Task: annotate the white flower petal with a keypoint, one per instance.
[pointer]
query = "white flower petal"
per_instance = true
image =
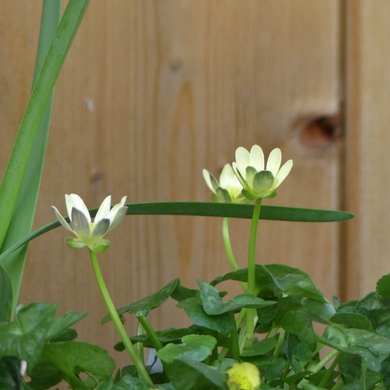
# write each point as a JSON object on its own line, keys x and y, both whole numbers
{"x": 104, "y": 209}
{"x": 61, "y": 219}
{"x": 239, "y": 176}
{"x": 228, "y": 177}
{"x": 116, "y": 208}
{"x": 206, "y": 177}
{"x": 210, "y": 180}
{"x": 123, "y": 200}
{"x": 274, "y": 161}
{"x": 100, "y": 229}
{"x": 256, "y": 158}
{"x": 81, "y": 226}
{"x": 117, "y": 213}
{"x": 242, "y": 159}
{"x": 75, "y": 201}
{"x": 283, "y": 173}
{"x": 69, "y": 204}
{"x": 117, "y": 218}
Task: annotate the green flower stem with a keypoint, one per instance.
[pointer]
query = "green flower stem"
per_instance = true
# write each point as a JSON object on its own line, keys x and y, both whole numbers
{"x": 325, "y": 360}
{"x": 251, "y": 313}
{"x": 322, "y": 363}
{"x": 157, "y": 345}
{"x": 229, "y": 250}
{"x": 339, "y": 384}
{"x": 143, "y": 374}
{"x": 330, "y": 370}
{"x": 139, "y": 346}
{"x": 272, "y": 332}
{"x": 280, "y": 342}
{"x": 234, "y": 338}
{"x": 238, "y": 323}
{"x": 227, "y": 244}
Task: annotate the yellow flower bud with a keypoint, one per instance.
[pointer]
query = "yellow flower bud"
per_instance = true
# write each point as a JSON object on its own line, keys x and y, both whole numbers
{"x": 243, "y": 376}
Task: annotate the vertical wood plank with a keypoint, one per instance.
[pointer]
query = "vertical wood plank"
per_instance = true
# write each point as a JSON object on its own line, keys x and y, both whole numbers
{"x": 368, "y": 83}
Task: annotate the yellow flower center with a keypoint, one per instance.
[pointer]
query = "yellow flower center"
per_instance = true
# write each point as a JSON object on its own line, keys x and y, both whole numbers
{"x": 239, "y": 382}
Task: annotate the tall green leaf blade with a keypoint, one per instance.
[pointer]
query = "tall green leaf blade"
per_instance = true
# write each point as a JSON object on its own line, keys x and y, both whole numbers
{"x": 22, "y": 177}
{"x": 23, "y": 216}
{"x": 18, "y": 161}
{"x": 5, "y": 296}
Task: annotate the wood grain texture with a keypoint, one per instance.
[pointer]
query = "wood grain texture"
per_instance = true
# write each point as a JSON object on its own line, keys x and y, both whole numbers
{"x": 368, "y": 143}
{"x": 151, "y": 93}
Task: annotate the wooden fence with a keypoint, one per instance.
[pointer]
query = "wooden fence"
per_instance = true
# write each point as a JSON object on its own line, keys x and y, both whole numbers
{"x": 155, "y": 90}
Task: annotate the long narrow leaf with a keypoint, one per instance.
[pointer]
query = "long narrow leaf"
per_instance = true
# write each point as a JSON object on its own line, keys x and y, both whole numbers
{"x": 207, "y": 209}
{"x": 5, "y": 296}
{"x": 18, "y": 161}
{"x": 239, "y": 211}
{"x": 23, "y": 216}
{"x": 21, "y": 183}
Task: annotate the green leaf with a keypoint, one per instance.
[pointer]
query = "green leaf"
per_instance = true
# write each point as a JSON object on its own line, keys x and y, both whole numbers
{"x": 198, "y": 316}
{"x": 170, "y": 335}
{"x": 383, "y": 286}
{"x": 237, "y": 211}
{"x": 375, "y": 308}
{"x": 72, "y": 358}
{"x": 271, "y": 366}
{"x": 25, "y": 337}
{"x": 371, "y": 347}
{"x": 261, "y": 347}
{"x": 26, "y": 199}
{"x": 45, "y": 375}
{"x": 279, "y": 280}
{"x": 293, "y": 317}
{"x": 294, "y": 282}
{"x": 308, "y": 386}
{"x": 350, "y": 319}
{"x": 5, "y": 296}
{"x": 60, "y": 324}
{"x": 180, "y": 293}
{"x": 173, "y": 335}
{"x": 194, "y": 347}
{"x": 145, "y": 305}
{"x": 207, "y": 209}
{"x": 21, "y": 180}
{"x": 192, "y": 375}
{"x": 214, "y": 305}
{"x": 351, "y": 367}
{"x": 319, "y": 311}
{"x": 128, "y": 382}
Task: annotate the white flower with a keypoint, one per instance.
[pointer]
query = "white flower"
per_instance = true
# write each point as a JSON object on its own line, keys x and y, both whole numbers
{"x": 90, "y": 233}
{"x": 228, "y": 190}
{"x": 260, "y": 182}
{"x": 243, "y": 376}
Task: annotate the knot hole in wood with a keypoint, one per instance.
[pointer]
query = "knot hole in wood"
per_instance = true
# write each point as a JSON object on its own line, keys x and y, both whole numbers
{"x": 321, "y": 131}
